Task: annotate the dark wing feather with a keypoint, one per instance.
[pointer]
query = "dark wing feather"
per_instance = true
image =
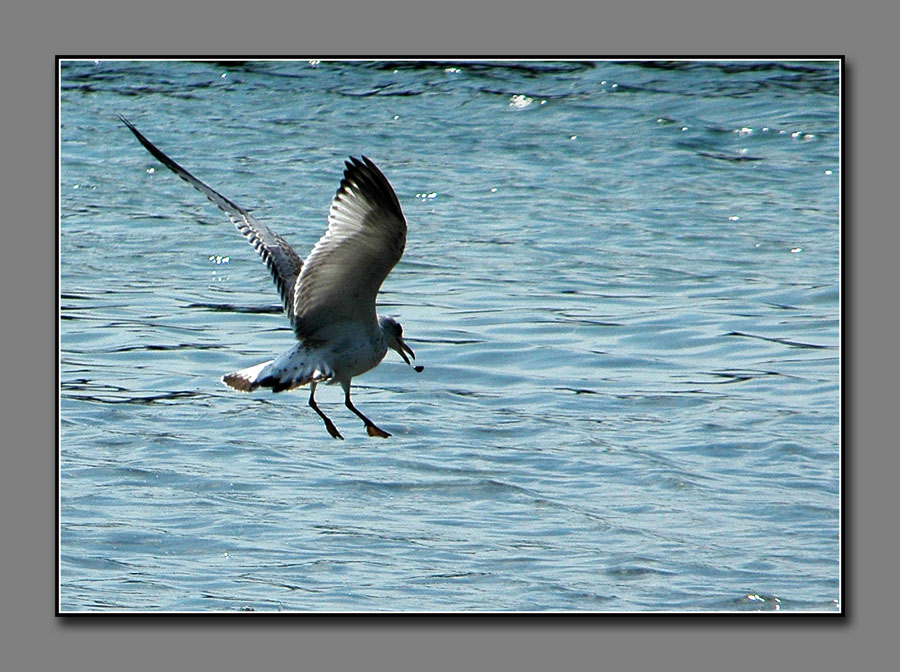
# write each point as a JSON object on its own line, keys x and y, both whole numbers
{"x": 282, "y": 261}
{"x": 365, "y": 239}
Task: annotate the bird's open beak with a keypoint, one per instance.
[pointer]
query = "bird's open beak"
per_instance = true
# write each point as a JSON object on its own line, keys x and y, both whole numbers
{"x": 403, "y": 349}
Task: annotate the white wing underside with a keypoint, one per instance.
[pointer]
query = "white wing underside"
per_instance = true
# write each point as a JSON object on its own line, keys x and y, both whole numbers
{"x": 342, "y": 275}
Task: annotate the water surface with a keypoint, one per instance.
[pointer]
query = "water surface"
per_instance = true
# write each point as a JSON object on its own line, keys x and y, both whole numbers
{"x": 623, "y": 280}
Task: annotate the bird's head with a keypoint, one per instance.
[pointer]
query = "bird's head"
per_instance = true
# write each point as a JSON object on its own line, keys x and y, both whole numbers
{"x": 393, "y": 332}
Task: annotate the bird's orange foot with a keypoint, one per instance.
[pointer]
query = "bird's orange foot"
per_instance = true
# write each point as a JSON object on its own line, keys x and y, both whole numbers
{"x": 375, "y": 431}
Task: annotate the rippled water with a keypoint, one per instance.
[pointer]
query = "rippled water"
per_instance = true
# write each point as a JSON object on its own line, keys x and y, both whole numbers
{"x": 623, "y": 280}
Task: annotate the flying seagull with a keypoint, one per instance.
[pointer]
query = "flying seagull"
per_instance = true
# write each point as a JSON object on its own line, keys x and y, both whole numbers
{"x": 329, "y": 298}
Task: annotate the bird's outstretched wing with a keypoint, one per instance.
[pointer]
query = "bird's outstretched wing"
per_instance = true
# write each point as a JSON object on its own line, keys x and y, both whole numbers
{"x": 364, "y": 241}
{"x": 281, "y": 259}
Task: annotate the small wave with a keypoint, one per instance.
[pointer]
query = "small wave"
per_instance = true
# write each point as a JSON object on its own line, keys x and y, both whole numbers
{"x": 729, "y": 156}
{"x": 142, "y": 400}
{"x": 233, "y": 308}
{"x": 783, "y": 341}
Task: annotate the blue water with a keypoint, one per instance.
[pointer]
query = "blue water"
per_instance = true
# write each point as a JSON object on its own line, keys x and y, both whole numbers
{"x": 623, "y": 281}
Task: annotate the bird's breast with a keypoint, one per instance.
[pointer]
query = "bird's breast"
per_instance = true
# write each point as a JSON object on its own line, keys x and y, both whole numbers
{"x": 352, "y": 351}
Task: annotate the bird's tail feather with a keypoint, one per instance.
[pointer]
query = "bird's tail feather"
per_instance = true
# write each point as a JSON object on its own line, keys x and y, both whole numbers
{"x": 246, "y": 380}
{"x": 285, "y": 373}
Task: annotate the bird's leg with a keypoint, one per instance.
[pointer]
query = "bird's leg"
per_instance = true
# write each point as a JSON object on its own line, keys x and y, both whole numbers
{"x": 371, "y": 427}
{"x": 329, "y": 425}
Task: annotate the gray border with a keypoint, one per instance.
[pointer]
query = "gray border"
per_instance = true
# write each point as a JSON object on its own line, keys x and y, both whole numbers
{"x": 34, "y": 639}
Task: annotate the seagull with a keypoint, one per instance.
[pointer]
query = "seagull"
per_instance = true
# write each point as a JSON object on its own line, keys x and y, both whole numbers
{"x": 329, "y": 299}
